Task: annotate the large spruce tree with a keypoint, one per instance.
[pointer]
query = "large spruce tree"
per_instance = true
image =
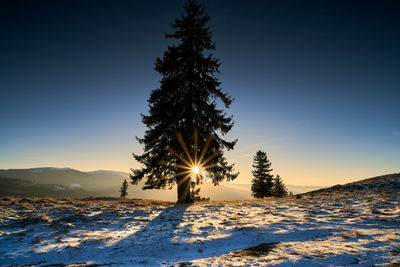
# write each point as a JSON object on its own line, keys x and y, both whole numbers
{"x": 262, "y": 184}
{"x": 185, "y": 124}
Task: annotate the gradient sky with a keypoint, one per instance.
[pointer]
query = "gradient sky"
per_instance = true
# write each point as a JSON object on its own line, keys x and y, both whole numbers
{"x": 316, "y": 83}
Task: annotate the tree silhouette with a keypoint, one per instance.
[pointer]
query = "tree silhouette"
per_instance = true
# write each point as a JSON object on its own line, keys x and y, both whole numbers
{"x": 262, "y": 184}
{"x": 124, "y": 189}
{"x": 279, "y": 189}
{"x": 185, "y": 125}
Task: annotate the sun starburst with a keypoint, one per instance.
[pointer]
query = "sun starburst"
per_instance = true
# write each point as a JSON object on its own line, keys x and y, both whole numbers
{"x": 195, "y": 166}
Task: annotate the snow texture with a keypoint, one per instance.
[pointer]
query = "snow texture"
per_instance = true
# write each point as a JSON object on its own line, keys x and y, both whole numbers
{"x": 340, "y": 229}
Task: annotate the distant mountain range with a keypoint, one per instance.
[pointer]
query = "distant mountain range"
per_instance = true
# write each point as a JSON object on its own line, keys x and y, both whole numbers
{"x": 67, "y": 182}
{"x": 101, "y": 183}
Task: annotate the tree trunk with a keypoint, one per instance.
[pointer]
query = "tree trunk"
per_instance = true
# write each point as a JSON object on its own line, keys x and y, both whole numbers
{"x": 184, "y": 190}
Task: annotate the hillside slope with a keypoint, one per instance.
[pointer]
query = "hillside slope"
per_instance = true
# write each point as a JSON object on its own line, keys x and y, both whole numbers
{"x": 66, "y": 177}
{"x": 388, "y": 182}
{"x": 22, "y": 188}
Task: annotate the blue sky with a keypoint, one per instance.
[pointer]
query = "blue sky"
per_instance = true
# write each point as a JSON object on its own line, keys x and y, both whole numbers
{"x": 316, "y": 84}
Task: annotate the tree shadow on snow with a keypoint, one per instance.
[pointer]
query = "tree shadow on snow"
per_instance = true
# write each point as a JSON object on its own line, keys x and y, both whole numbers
{"x": 147, "y": 246}
{"x": 156, "y": 240}
{"x": 171, "y": 237}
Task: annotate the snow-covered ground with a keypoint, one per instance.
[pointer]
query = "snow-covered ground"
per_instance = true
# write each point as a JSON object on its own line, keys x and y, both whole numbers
{"x": 347, "y": 228}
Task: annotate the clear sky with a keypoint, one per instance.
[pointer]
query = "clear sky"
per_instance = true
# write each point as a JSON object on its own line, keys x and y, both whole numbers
{"x": 316, "y": 83}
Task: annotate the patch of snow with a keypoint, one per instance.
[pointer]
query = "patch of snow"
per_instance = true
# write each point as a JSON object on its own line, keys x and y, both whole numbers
{"x": 124, "y": 174}
{"x": 60, "y": 169}
{"x": 35, "y": 170}
{"x": 58, "y": 187}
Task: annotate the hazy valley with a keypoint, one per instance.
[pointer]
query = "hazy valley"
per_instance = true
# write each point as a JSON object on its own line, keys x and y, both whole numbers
{"x": 66, "y": 182}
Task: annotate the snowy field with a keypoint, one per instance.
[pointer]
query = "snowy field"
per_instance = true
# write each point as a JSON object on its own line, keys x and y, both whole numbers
{"x": 347, "y": 228}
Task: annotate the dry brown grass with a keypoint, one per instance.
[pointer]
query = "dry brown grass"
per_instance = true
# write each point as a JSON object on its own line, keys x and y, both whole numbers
{"x": 27, "y": 202}
{"x": 345, "y": 209}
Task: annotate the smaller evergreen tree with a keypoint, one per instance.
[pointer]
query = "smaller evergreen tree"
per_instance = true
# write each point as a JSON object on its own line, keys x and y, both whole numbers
{"x": 124, "y": 189}
{"x": 262, "y": 184}
{"x": 280, "y": 189}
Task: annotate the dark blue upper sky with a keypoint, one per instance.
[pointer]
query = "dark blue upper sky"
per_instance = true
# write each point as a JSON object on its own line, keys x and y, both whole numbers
{"x": 316, "y": 83}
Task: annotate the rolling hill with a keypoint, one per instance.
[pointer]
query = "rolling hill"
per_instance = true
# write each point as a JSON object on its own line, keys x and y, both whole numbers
{"x": 93, "y": 183}
{"x": 388, "y": 182}
{"x": 23, "y": 188}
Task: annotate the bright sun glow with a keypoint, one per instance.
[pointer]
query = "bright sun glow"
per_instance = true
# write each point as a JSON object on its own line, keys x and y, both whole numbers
{"x": 196, "y": 167}
{"x": 196, "y": 170}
